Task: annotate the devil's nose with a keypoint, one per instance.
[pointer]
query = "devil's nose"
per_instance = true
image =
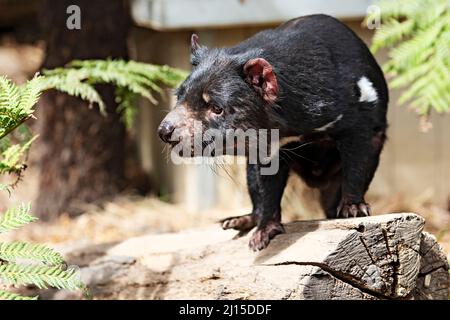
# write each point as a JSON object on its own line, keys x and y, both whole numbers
{"x": 165, "y": 131}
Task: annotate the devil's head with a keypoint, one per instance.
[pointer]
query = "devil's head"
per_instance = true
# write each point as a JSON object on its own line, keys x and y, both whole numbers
{"x": 226, "y": 90}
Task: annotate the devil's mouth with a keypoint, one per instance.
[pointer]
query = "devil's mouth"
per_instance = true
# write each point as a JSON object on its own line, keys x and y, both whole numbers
{"x": 191, "y": 149}
{"x": 206, "y": 148}
{"x": 173, "y": 142}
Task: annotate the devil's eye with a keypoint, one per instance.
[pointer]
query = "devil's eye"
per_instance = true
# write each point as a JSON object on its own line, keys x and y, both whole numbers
{"x": 216, "y": 110}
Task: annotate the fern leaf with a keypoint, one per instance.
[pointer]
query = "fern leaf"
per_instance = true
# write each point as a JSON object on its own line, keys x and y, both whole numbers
{"x": 10, "y": 159}
{"x": 411, "y": 75}
{"x": 431, "y": 12}
{"x": 130, "y": 77}
{"x": 127, "y": 105}
{"x": 84, "y": 91}
{"x": 391, "y": 33}
{"x": 22, "y": 250}
{"x": 14, "y": 218}
{"x": 399, "y": 8}
{"x": 29, "y": 95}
{"x": 419, "y": 32}
{"x": 121, "y": 73}
{"x": 10, "y": 115}
{"x": 40, "y": 276}
{"x": 411, "y": 52}
{"x": 5, "y": 295}
{"x": 5, "y": 187}
{"x": 9, "y": 94}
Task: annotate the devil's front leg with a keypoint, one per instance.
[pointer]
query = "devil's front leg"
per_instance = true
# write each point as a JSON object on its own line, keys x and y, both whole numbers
{"x": 249, "y": 221}
{"x": 356, "y": 156}
{"x": 266, "y": 192}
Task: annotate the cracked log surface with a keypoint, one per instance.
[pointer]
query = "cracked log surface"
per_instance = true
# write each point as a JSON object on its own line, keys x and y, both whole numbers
{"x": 380, "y": 257}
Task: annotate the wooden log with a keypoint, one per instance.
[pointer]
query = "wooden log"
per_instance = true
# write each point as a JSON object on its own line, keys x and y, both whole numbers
{"x": 380, "y": 257}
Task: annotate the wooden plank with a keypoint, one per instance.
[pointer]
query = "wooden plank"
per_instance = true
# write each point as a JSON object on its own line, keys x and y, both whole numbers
{"x": 189, "y": 14}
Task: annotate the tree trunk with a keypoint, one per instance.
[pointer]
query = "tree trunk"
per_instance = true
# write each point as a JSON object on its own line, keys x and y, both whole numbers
{"x": 380, "y": 257}
{"x": 83, "y": 156}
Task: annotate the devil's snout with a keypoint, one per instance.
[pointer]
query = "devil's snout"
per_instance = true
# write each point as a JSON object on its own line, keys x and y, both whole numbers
{"x": 174, "y": 119}
{"x": 165, "y": 131}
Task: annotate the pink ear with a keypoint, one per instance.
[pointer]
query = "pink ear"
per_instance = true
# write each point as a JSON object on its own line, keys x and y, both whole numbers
{"x": 259, "y": 73}
{"x": 195, "y": 43}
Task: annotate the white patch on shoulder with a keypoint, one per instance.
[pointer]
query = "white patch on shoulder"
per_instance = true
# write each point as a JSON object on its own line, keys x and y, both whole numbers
{"x": 329, "y": 125}
{"x": 368, "y": 92}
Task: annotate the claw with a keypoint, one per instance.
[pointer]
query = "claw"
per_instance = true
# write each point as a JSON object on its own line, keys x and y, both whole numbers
{"x": 262, "y": 236}
{"x": 364, "y": 209}
{"x": 354, "y": 210}
{"x": 241, "y": 223}
{"x": 340, "y": 211}
{"x": 346, "y": 210}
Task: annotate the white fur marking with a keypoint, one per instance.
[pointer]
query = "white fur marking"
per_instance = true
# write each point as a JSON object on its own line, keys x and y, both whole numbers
{"x": 329, "y": 124}
{"x": 368, "y": 92}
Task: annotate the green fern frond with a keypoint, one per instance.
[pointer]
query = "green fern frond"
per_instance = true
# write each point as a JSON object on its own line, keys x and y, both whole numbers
{"x": 135, "y": 78}
{"x": 11, "y": 158}
{"x": 398, "y": 9}
{"x": 127, "y": 105}
{"x": 14, "y": 218}
{"x": 16, "y": 103}
{"x": 410, "y": 53}
{"x": 391, "y": 33}
{"x": 9, "y": 94}
{"x": 131, "y": 79}
{"x": 418, "y": 33}
{"x": 82, "y": 90}
{"x": 78, "y": 79}
{"x": 29, "y": 95}
{"x": 10, "y": 114}
{"x": 40, "y": 276}
{"x": 22, "y": 250}
{"x": 5, "y": 187}
{"x": 5, "y": 295}
{"x": 431, "y": 11}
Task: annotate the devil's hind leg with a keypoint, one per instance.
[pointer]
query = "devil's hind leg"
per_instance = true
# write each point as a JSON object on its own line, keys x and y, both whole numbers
{"x": 330, "y": 197}
{"x": 377, "y": 143}
{"x": 360, "y": 155}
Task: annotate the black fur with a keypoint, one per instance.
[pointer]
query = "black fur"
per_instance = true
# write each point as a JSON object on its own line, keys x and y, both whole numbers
{"x": 317, "y": 62}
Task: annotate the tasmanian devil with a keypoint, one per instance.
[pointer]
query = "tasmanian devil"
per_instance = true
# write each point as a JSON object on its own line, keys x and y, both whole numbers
{"x": 316, "y": 82}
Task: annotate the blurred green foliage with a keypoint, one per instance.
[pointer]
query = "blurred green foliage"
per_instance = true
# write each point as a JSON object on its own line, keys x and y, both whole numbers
{"x": 24, "y": 263}
{"x": 417, "y": 34}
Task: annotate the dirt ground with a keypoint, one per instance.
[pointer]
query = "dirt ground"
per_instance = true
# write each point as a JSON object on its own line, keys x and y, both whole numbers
{"x": 128, "y": 215}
